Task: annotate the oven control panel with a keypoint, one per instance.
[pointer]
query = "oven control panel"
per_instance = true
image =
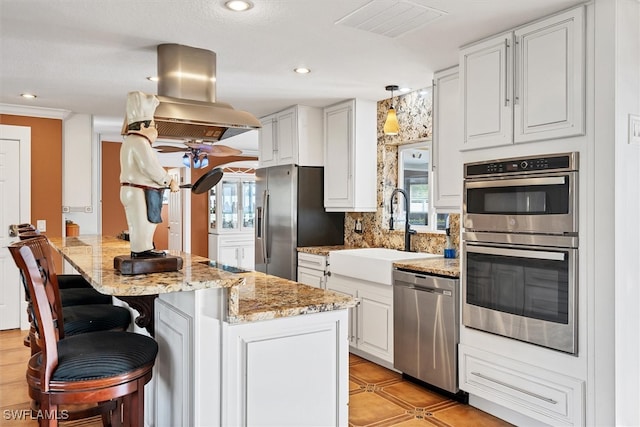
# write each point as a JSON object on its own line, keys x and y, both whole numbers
{"x": 523, "y": 165}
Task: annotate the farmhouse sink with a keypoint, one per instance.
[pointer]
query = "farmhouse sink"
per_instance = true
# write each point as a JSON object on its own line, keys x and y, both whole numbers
{"x": 372, "y": 264}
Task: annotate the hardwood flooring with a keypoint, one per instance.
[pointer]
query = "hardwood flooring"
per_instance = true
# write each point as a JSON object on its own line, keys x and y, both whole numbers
{"x": 378, "y": 397}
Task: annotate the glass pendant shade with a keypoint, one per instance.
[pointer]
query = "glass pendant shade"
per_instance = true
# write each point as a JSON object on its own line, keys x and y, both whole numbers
{"x": 391, "y": 125}
{"x": 186, "y": 160}
{"x": 205, "y": 161}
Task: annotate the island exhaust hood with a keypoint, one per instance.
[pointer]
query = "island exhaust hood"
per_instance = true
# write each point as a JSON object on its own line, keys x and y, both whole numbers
{"x": 187, "y": 93}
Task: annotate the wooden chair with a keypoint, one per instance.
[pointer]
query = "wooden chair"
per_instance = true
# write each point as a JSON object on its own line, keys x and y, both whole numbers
{"x": 75, "y": 319}
{"x": 107, "y": 368}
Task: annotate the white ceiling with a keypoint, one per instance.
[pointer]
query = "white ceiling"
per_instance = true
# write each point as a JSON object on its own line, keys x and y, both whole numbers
{"x": 85, "y": 55}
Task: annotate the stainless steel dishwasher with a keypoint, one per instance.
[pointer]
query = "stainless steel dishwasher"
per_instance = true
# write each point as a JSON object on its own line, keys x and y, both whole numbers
{"x": 426, "y": 325}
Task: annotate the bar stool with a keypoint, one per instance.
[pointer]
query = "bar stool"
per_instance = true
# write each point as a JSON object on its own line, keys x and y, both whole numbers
{"x": 74, "y": 289}
{"x": 76, "y": 319}
{"x": 107, "y": 368}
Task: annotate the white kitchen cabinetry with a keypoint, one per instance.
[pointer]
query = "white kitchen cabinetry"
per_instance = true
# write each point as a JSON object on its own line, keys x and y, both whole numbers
{"x": 447, "y": 140}
{"x": 371, "y": 322}
{"x": 547, "y": 396}
{"x": 350, "y": 152}
{"x": 313, "y": 269}
{"x": 236, "y": 250}
{"x": 525, "y": 85}
{"x": 291, "y": 136}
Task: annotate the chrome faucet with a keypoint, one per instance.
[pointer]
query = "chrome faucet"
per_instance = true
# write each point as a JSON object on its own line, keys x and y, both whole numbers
{"x": 408, "y": 231}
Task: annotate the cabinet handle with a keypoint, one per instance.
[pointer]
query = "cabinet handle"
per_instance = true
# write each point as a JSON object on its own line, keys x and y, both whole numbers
{"x": 518, "y": 389}
{"x": 506, "y": 72}
{"x": 516, "y": 79}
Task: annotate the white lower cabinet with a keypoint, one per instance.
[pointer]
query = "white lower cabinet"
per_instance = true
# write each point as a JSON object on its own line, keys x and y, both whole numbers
{"x": 286, "y": 371}
{"x": 236, "y": 250}
{"x": 544, "y": 395}
{"x": 371, "y": 322}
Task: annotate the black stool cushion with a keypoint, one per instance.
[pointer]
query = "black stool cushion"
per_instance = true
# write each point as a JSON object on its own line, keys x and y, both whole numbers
{"x": 66, "y": 281}
{"x": 79, "y": 319}
{"x": 102, "y": 355}
{"x": 81, "y": 296}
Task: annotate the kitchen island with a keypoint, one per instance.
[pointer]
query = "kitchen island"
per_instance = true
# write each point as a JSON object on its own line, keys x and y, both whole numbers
{"x": 236, "y": 348}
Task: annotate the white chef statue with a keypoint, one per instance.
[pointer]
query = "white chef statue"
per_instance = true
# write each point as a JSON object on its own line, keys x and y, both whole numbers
{"x": 142, "y": 178}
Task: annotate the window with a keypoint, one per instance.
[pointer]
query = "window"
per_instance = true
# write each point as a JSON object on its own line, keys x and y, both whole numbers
{"x": 415, "y": 177}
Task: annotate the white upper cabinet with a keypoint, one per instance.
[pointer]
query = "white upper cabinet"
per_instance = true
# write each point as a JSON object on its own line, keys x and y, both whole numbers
{"x": 291, "y": 136}
{"x": 525, "y": 85}
{"x": 447, "y": 140}
{"x": 350, "y": 150}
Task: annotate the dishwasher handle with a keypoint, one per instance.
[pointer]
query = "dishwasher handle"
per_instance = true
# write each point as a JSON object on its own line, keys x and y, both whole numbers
{"x": 431, "y": 290}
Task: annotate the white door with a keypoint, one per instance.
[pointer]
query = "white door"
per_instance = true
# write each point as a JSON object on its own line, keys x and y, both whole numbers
{"x": 175, "y": 214}
{"x": 15, "y": 181}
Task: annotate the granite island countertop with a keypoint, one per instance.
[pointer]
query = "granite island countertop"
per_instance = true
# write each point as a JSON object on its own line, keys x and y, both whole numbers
{"x": 252, "y": 296}
{"x": 263, "y": 297}
{"x": 92, "y": 256}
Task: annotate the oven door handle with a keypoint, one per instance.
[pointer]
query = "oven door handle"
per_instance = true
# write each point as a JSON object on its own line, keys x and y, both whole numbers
{"x": 518, "y": 182}
{"x": 522, "y": 253}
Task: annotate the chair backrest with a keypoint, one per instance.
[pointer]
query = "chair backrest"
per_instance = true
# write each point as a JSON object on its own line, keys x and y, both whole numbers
{"x": 43, "y": 302}
{"x": 41, "y": 250}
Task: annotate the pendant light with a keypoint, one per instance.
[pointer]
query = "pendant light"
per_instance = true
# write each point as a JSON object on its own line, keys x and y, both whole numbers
{"x": 391, "y": 125}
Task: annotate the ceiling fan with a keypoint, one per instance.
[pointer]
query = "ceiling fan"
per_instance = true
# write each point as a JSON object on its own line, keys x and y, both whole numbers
{"x": 196, "y": 154}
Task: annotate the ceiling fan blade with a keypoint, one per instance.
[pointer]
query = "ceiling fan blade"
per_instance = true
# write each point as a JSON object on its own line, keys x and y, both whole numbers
{"x": 170, "y": 149}
{"x": 222, "y": 151}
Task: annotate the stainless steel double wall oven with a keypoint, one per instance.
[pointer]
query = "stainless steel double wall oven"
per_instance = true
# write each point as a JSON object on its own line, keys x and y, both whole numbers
{"x": 520, "y": 249}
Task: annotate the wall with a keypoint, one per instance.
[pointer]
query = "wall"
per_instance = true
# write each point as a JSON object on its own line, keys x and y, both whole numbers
{"x": 46, "y": 169}
{"x": 627, "y": 211}
{"x": 414, "y": 112}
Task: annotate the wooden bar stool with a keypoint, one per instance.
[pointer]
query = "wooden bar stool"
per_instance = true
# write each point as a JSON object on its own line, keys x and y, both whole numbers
{"x": 108, "y": 369}
{"x": 76, "y": 319}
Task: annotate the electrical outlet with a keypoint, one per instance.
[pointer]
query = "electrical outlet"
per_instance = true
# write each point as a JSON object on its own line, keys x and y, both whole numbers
{"x": 41, "y": 225}
{"x": 634, "y": 129}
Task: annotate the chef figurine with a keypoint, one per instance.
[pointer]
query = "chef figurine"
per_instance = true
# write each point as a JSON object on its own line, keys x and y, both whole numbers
{"x": 142, "y": 178}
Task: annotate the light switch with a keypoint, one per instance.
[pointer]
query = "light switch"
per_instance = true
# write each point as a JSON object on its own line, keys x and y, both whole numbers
{"x": 41, "y": 225}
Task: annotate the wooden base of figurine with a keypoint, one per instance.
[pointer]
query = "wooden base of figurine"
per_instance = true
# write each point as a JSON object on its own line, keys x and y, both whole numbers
{"x": 130, "y": 266}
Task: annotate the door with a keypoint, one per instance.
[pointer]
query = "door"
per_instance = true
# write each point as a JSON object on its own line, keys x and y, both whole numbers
{"x": 267, "y": 144}
{"x": 287, "y": 134}
{"x": 15, "y": 144}
{"x": 175, "y": 214}
{"x": 281, "y": 227}
{"x": 338, "y": 176}
{"x": 486, "y": 86}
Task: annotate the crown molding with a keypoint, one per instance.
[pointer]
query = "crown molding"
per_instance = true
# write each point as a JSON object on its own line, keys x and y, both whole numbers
{"x": 21, "y": 110}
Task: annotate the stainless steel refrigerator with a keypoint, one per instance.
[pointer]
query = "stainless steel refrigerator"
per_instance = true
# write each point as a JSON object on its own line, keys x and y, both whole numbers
{"x": 289, "y": 214}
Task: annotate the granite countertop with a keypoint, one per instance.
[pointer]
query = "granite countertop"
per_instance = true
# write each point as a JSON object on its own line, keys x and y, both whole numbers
{"x": 441, "y": 266}
{"x": 92, "y": 256}
{"x": 323, "y": 250}
{"x": 252, "y": 296}
{"x": 263, "y": 297}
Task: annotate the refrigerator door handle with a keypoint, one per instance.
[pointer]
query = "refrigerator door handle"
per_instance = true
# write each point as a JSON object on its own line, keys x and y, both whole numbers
{"x": 265, "y": 221}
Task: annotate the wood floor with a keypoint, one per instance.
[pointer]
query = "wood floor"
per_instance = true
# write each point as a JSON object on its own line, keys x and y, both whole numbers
{"x": 377, "y": 396}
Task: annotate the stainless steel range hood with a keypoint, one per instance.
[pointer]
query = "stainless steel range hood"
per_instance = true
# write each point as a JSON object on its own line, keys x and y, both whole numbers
{"x": 187, "y": 93}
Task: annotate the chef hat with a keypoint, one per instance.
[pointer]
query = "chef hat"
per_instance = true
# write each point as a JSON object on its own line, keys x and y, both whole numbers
{"x": 140, "y": 106}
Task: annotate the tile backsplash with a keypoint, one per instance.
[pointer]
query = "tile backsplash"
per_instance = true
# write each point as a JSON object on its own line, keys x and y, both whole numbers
{"x": 414, "y": 112}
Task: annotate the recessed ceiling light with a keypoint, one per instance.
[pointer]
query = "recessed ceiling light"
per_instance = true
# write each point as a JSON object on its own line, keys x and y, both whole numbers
{"x": 405, "y": 89}
{"x": 28, "y": 95}
{"x": 153, "y": 78}
{"x": 238, "y": 5}
{"x": 302, "y": 70}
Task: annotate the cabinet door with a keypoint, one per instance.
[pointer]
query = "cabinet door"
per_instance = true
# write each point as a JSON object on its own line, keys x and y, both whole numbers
{"x": 375, "y": 324}
{"x": 447, "y": 140}
{"x": 486, "y": 88}
{"x": 228, "y": 255}
{"x": 311, "y": 277}
{"x": 267, "y": 146}
{"x": 550, "y": 82}
{"x": 338, "y": 175}
{"x": 246, "y": 256}
{"x": 287, "y": 135}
